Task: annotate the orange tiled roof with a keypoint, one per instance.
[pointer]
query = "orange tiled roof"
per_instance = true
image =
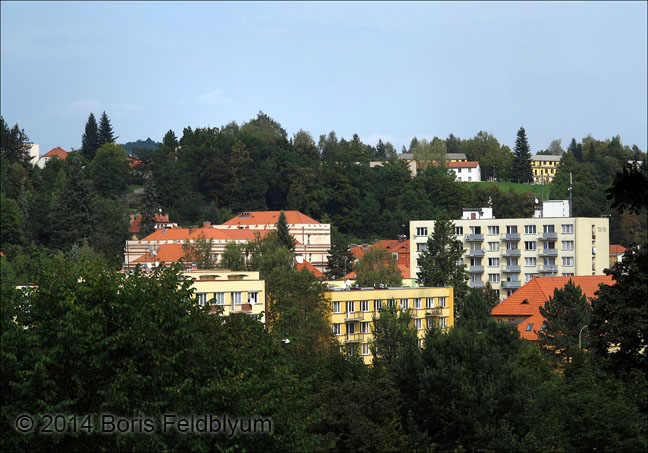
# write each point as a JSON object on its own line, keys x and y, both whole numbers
{"x": 167, "y": 234}
{"x": 168, "y": 253}
{"x": 133, "y": 162}
{"x": 56, "y": 152}
{"x": 269, "y": 218}
{"x": 159, "y": 218}
{"x": 536, "y": 292}
{"x": 471, "y": 164}
{"x": 617, "y": 249}
{"x": 310, "y": 268}
{"x": 392, "y": 245}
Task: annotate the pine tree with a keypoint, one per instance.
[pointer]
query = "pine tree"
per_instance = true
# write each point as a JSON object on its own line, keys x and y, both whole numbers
{"x": 106, "y": 134}
{"x": 566, "y": 313}
{"x": 283, "y": 233}
{"x": 90, "y": 138}
{"x": 440, "y": 262}
{"x": 150, "y": 206}
{"x": 340, "y": 259}
{"x": 521, "y": 170}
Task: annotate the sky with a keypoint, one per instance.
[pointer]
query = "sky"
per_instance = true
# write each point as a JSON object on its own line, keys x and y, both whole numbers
{"x": 379, "y": 69}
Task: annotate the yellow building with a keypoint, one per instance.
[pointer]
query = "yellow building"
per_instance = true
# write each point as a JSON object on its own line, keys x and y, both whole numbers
{"x": 231, "y": 292}
{"x": 544, "y": 168}
{"x": 353, "y": 310}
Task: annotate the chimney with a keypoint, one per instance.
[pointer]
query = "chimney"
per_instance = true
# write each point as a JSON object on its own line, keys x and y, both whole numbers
{"x": 132, "y": 217}
{"x": 193, "y": 228}
{"x": 206, "y": 224}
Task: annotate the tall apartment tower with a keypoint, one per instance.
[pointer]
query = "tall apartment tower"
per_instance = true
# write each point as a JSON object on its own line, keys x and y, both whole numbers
{"x": 510, "y": 252}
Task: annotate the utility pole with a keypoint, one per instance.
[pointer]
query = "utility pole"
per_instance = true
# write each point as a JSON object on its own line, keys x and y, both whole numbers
{"x": 570, "y": 194}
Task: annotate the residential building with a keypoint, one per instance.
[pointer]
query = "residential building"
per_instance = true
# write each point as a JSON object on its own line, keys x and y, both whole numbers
{"x": 353, "y": 311}
{"x": 466, "y": 171}
{"x": 510, "y": 252}
{"x": 161, "y": 221}
{"x": 398, "y": 248}
{"x": 59, "y": 153}
{"x": 616, "y": 253}
{"x": 523, "y": 307}
{"x": 415, "y": 169}
{"x": 544, "y": 168}
{"x": 34, "y": 152}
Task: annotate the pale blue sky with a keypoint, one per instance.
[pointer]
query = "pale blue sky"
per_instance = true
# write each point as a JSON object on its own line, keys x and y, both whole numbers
{"x": 390, "y": 70}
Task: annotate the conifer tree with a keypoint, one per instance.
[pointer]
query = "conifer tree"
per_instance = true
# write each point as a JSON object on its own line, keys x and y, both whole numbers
{"x": 283, "y": 233}
{"x": 150, "y": 206}
{"x": 106, "y": 134}
{"x": 521, "y": 170}
{"x": 90, "y": 138}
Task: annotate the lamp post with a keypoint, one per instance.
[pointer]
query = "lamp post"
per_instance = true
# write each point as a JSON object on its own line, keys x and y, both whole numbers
{"x": 579, "y": 336}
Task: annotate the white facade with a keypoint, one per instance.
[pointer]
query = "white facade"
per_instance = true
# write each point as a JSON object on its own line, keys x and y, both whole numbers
{"x": 466, "y": 171}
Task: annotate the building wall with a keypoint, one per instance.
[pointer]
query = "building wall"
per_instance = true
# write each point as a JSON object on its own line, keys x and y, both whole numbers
{"x": 350, "y": 332}
{"x": 589, "y": 256}
{"x": 467, "y": 174}
{"x": 544, "y": 167}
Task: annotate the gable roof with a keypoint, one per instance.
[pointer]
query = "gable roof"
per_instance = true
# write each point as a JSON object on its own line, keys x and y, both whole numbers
{"x": 536, "y": 292}
{"x": 471, "y": 164}
{"x": 546, "y": 157}
{"x": 269, "y": 218}
{"x": 616, "y": 250}
{"x": 310, "y": 268}
{"x": 56, "y": 152}
{"x": 168, "y": 253}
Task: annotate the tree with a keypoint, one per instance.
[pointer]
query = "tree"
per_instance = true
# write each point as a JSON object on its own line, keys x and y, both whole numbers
{"x": 629, "y": 190}
{"x": 340, "y": 259}
{"x": 521, "y": 170}
{"x": 106, "y": 135}
{"x": 440, "y": 262}
{"x": 90, "y": 138}
{"x": 429, "y": 153}
{"x": 14, "y": 147}
{"x": 199, "y": 252}
{"x": 283, "y": 233}
{"x": 234, "y": 257}
{"x": 476, "y": 309}
{"x": 566, "y": 314}
{"x": 150, "y": 207}
{"x": 377, "y": 267}
{"x": 110, "y": 171}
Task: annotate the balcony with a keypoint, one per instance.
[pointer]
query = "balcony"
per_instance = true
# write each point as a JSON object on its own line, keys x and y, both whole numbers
{"x": 476, "y": 253}
{"x": 512, "y": 252}
{"x": 511, "y": 237}
{"x": 548, "y": 252}
{"x": 511, "y": 284}
{"x": 549, "y": 268}
{"x": 549, "y": 236}
{"x": 354, "y": 338}
{"x": 476, "y": 269}
{"x": 474, "y": 237}
{"x": 513, "y": 268}
{"x": 477, "y": 284}
{"x": 354, "y": 317}
{"x": 433, "y": 312}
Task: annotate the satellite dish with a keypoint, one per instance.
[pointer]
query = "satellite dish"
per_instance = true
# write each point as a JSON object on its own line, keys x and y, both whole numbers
{"x": 347, "y": 284}
{"x": 536, "y": 200}
{"x": 149, "y": 265}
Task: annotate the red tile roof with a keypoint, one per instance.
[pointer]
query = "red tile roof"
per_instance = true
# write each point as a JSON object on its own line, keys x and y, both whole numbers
{"x": 310, "y": 268}
{"x": 56, "y": 152}
{"x": 180, "y": 234}
{"x": 616, "y": 250}
{"x": 536, "y": 292}
{"x": 269, "y": 218}
{"x": 168, "y": 253}
{"x": 471, "y": 164}
{"x": 392, "y": 245}
{"x": 133, "y": 162}
{"x": 159, "y": 218}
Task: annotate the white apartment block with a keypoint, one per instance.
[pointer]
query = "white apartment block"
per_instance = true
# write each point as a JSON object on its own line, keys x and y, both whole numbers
{"x": 510, "y": 252}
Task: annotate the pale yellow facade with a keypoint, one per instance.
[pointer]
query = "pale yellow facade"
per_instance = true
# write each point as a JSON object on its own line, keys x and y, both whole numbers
{"x": 353, "y": 312}
{"x": 230, "y": 292}
{"x": 509, "y": 252}
{"x": 544, "y": 168}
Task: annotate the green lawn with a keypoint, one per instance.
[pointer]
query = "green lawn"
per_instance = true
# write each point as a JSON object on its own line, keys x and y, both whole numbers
{"x": 505, "y": 186}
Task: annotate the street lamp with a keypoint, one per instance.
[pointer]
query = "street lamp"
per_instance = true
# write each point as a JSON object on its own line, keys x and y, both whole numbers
{"x": 579, "y": 336}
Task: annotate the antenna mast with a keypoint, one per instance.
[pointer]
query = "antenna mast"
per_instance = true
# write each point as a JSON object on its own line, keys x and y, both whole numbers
{"x": 570, "y": 194}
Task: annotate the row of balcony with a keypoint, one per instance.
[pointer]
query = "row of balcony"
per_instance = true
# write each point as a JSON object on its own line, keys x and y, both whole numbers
{"x": 515, "y": 252}
{"x": 513, "y": 269}
{"x": 511, "y": 237}
{"x": 366, "y": 316}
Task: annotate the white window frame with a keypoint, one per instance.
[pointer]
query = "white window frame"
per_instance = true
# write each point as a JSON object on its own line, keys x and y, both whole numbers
{"x": 568, "y": 245}
{"x": 493, "y": 262}
{"x": 529, "y": 229}
{"x": 253, "y": 297}
{"x": 417, "y": 303}
{"x": 336, "y": 307}
{"x": 337, "y": 329}
{"x": 530, "y": 245}
{"x": 494, "y": 278}
{"x": 568, "y": 261}
{"x": 201, "y": 298}
{"x": 429, "y": 302}
{"x": 350, "y": 306}
{"x": 530, "y": 261}
{"x": 421, "y": 231}
{"x": 442, "y": 301}
{"x": 568, "y": 228}
{"x": 219, "y": 298}
{"x": 404, "y": 304}
{"x": 237, "y": 298}
{"x": 365, "y": 327}
{"x": 418, "y": 323}
{"x": 364, "y": 306}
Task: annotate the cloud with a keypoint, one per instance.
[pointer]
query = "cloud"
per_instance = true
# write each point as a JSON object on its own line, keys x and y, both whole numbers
{"x": 79, "y": 106}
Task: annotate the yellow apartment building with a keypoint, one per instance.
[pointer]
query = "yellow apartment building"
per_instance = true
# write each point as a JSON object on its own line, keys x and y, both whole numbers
{"x": 353, "y": 311}
{"x": 231, "y": 292}
{"x": 544, "y": 168}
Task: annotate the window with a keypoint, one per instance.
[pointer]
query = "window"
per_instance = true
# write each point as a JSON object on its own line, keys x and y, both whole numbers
{"x": 351, "y": 328}
{"x": 253, "y": 297}
{"x": 421, "y": 247}
{"x": 404, "y": 304}
{"x": 493, "y": 278}
{"x": 336, "y": 307}
{"x": 337, "y": 329}
{"x": 377, "y": 305}
{"x": 236, "y": 298}
{"x": 219, "y": 298}
{"x": 421, "y": 231}
{"x": 350, "y": 307}
{"x": 529, "y": 245}
{"x": 568, "y": 229}
{"x": 475, "y": 230}
{"x": 442, "y": 301}
{"x": 568, "y": 261}
{"x": 568, "y": 245}
{"x": 493, "y": 230}
{"x": 530, "y": 261}
{"x": 511, "y": 229}
{"x": 458, "y": 231}
{"x": 364, "y": 327}
{"x": 548, "y": 229}
{"x": 529, "y": 229}
{"x": 550, "y": 261}
{"x": 475, "y": 261}
{"x": 529, "y": 327}
{"x": 391, "y": 303}
{"x": 429, "y": 302}
{"x": 420, "y": 342}
{"x": 418, "y": 323}
{"x": 493, "y": 246}
{"x": 417, "y": 303}
{"x": 511, "y": 261}
{"x": 568, "y": 274}
{"x": 493, "y": 262}
{"x": 364, "y": 349}
{"x": 364, "y": 305}
{"x": 475, "y": 278}
{"x": 443, "y": 322}
{"x": 510, "y": 245}
{"x": 202, "y": 299}
{"x": 549, "y": 245}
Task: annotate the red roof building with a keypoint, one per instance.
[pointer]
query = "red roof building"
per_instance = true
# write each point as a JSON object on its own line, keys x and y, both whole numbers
{"x": 270, "y": 218}
{"x": 399, "y": 249}
{"x": 523, "y": 306}
{"x": 616, "y": 253}
{"x": 54, "y": 152}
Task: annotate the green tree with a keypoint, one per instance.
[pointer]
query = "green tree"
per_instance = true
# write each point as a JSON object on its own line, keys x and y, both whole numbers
{"x": 283, "y": 233}
{"x": 199, "y": 252}
{"x": 90, "y": 138}
{"x": 234, "y": 257}
{"x": 521, "y": 169}
{"x": 566, "y": 314}
{"x": 377, "y": 267}
{"x": 14, "y": 147}
{"x": 426, "y": 153}
{"x": 109, "y": 228}
{"x": 340, "y": 259}
{"x": 106, "y": 134}
{"x": 12, "y": 223}
{"x": 439, "y": 263}
{"x": 150, "y": 207}
{"x": 110, "y": 171}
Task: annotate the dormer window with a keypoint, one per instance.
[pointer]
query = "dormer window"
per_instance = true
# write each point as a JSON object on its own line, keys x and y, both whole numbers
{"x": 529, "y": 327}
{"x": 525, "y": 302}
